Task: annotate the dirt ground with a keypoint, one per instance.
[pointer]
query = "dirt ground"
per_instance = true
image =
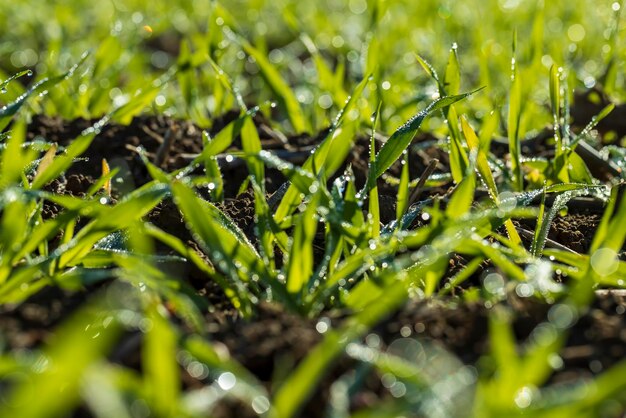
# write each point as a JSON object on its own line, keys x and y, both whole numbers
{"x": 274, "y": 340}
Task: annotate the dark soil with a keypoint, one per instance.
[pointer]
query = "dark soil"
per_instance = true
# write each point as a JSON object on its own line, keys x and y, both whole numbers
{"x": 273, "y": 342}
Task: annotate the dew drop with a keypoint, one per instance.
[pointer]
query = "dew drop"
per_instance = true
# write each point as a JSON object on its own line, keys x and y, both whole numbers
{"x": 524, "y": 397}
{"x": 398, "y": 390}
{"x": 227, "y": 381}
{"x": 562, "y": 316}
{"x": 323, "y": 325}
{"x": 260, "y": 404}
{"x": 555, "y": 361}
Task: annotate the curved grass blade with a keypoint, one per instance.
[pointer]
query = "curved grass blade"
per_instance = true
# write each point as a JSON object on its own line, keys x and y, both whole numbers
{"x": 592, "y": 124}
{"x": 317, "y": 162}
{"x": 247, "y": 387}
{"x": 302, "y": 181}
{"x": 543, "y": 225}
{"x": 275, "y": 81}
{"x": 62, "y": 162}
{"x": 79, "y": 342}
{"x": 109, "y": 219}
{"x": 225, "y": 244}
{"x": 401, "y": 138}
{"x": 430, "y": 70}
{"x": 483, "y": 169}
{"x": 6, "y": 82}
{"x": 142, "y": 98}
{"x": 238, "y": 297}
{"x": 301, "y": 382}
{"x": 228, "y": 84}
{"x": 224, "y": 138}
{"x": 462, "y": 198}
{"x": 40, "y": 87}
{"x": 450, "y": 86}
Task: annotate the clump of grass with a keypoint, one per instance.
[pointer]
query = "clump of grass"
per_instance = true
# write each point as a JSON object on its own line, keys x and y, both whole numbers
{"x": 318, "y": 244}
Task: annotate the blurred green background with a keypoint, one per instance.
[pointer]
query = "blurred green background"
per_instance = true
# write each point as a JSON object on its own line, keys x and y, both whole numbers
{"x": 133, "y": 42}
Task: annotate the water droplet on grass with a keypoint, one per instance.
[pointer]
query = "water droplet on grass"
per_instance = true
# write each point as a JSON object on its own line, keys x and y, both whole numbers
{"x": 604, "y": 261}
{"x": 562, "y": 316}
{"x": 323, "y": 325}
{"x": 398, "y": 390}
{"x": 388, "y": 380}
{"x": 555, "y": 361}
{"x": 524, "y": 397}
{"x": 227, "y": 381}
{"x": 260, "y": 404}
{"x": 197, "y": 370}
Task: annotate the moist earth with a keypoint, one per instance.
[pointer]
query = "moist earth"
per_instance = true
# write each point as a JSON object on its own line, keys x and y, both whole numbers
{"x": 274, "y": 341}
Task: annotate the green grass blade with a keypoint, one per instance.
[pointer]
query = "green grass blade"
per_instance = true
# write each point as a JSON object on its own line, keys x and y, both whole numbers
{"x": 210, "y": 223}
{"x": 538, "y": 241}
{"x": 214, "y": 175}
{"x": 555, "y": 101}
{"x": 452, "y": 75}
{"x": 302, "y": 381}
{"x": 225, "y": 244}
{"x": 317, "y": 162}
{"x": 141, "y": 99}
{"x": 401, "y": 138}
{"x": 515, "y": 112}
{"x": 14, "y": 77}
{"x": 302, "y": 181}
{"x": 458, "y": 158}
{"x": 161, "y": 371}
{"x": 109, "y": 219}
{"x": 482, "y": 164}
{"x": 241, "y": 299}
{"x": 462, "y": 198}
{"x": 451, "y": 85}
{"x": 503, "y": 350}
{"x": 14, "y": 159}
{"x": 79, "y": 343}
{"x": 300, "y": 264}
{"x": 247, "y": 387}
{"x": 13, "y": 231}
{"x": 63, "y": 162}
{"x": 374, "y": 203}
{"x": 277, "y": 84}
{"x": 430, "y": 70}
{"x": 224, "y": 138}
{"x": 251, "y": 144}
{"x": 403, "y": 189}
{"x": 228, "y": 84}
{"x": 592, "y": 124}
{"x": 41, "y": 88}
